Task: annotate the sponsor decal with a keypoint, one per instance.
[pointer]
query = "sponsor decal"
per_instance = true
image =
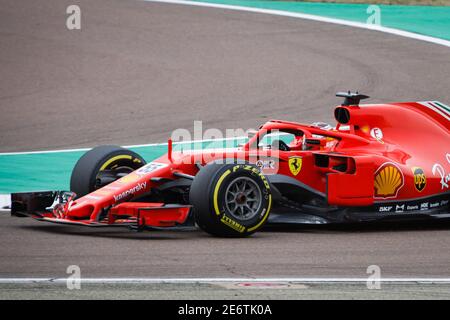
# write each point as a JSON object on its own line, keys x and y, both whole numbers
{"x": 265, "y": 164}
{"x": 295, "y": 165}
{"x": 434, "y": 204}
{"x": 420, "y": 180}
{"x": 388, "y": 181}
{"x": 424, "y": 206}
{"x": 150, "y": 167}
{"x": 129, "y": 178}
{"x": 131, "y": 191}
{"x": 412, "y": 206}
{"x": 438, "y": 170}
{"x": 377, "y": 134}
{"x": 385, "y": 209}
{"x": 232, "y": 224}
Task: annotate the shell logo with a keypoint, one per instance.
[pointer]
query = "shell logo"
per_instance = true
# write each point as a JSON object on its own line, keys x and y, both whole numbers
{"x": 388, "y": 181}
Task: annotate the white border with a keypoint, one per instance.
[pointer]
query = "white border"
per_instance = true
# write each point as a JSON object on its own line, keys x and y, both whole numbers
{"x": 361, "y": 25}
{"x": 227, "y": 280}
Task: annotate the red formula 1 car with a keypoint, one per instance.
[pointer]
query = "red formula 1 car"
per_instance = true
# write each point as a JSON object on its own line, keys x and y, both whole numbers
{"x": 381, "y": 161}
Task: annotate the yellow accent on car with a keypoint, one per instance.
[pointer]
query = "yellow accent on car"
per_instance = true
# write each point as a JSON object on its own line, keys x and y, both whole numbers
{"x": 265, "y": 217}
{"x": 232, "y": 224}
{"x": 388, "y": 181}
{"x": 216, "y": 191}
{"x": 107, "y": 163}
{"x": 295, "y": 164}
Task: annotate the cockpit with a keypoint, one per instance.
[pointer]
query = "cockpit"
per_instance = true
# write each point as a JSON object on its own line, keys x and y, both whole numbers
{"x": 295, "y": 139}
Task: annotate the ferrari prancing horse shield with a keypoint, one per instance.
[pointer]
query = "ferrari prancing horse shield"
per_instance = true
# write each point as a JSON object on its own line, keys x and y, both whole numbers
{"x": 295, "y": 164}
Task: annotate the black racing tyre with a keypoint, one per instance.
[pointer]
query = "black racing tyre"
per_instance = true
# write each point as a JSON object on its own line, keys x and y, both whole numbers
{"x": 230, "y": 200}
{"x": 111, "y": 161}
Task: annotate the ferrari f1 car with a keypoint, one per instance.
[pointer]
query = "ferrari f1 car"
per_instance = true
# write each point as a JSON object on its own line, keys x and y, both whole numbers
{"x": 380, "y": 162}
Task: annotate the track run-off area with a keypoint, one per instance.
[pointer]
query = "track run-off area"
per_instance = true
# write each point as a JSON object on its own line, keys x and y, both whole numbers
{"x": 136, "y": 71}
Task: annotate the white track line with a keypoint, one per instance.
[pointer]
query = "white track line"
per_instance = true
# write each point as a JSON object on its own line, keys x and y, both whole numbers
{"x": 5, "y": 201}
{"x": 225, "y": 280}
{"x": 184, "y": 142}
{"x": 314, "y": 18}
{"x": 130, "y": 146}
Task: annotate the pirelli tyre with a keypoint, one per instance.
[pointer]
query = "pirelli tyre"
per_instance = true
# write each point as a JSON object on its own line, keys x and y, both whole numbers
{"x": 101, "y": 166}
{"x": 230, "y": 200}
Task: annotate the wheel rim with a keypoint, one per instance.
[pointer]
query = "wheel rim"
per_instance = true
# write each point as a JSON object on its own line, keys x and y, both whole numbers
{"x": 243, "y": 198}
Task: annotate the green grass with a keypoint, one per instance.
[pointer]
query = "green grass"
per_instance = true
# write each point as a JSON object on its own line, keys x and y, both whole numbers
{"x": 51, "y": 171}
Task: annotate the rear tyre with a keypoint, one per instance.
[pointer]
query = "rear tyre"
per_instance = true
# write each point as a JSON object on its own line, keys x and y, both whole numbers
{"x": 101, "y": 166}
{"x": 230, "y": 200}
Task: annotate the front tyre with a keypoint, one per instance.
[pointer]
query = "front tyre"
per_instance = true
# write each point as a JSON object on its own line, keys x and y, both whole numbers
{"x": 101, "y": 166}
{"x": 230, "y": 200}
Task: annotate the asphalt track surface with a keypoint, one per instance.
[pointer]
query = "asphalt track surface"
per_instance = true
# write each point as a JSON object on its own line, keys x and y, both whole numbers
{"x": 136, "y": 71}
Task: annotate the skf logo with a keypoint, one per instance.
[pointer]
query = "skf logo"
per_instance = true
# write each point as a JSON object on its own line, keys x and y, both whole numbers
{"x": 420, "y": 180}
{"x": 295, "y": 165}
{"x": 388, "y": 181}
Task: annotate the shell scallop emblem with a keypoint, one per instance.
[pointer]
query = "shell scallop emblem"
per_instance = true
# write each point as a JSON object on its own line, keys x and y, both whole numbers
{"x": 388, "y": 181}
